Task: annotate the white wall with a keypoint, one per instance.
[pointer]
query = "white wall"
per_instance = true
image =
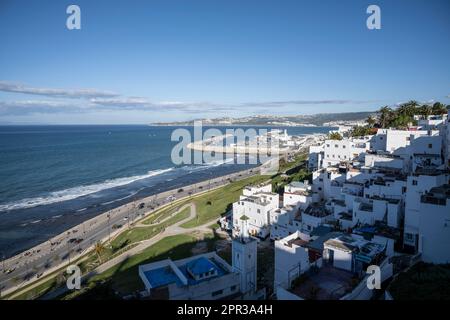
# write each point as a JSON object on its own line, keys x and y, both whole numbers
{"x": 416, "y": 187}
{"x": 434, "y": 229}
{"x": 290, "y": 262}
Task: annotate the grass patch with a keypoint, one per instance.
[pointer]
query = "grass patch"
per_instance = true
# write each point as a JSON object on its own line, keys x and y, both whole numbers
{"x": 143, "y": 233}
{"x": 161, "y": 214}
{"x": 216, "y": 203}
{"x": 124, "y": 278}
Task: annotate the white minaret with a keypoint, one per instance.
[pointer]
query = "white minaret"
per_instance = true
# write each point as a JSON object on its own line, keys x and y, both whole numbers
{"x": 244, "y": 258}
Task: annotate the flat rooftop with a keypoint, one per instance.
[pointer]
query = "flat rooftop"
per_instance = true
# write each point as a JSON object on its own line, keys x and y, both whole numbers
{"x": 317, "y": 210}
{"x": 165, "y": 275}
{"x": 297, "y": 241}
{"x": 437, "y": 195}
{"x": 328, "y": 283}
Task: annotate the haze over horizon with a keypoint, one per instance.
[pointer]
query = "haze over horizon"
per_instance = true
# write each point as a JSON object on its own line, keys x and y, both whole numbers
{"x": 162, "y": 61}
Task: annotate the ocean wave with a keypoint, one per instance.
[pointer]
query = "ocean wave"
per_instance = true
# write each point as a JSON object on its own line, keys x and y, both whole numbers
{"x": 207, "y": 165}
{"x": 120, "y": 199}
{"x": 76, "y": 192}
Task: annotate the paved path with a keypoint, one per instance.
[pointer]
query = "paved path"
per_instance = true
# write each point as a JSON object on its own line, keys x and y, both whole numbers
{"x": 172, "y": 230}
{"x": 57, "y": 253}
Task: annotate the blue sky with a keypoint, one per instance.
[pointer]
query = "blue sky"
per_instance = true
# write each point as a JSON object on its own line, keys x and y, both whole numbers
{"x": 144, "y": 61}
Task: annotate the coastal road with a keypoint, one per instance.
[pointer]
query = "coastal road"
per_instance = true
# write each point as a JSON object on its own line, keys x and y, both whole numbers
{"x": 61, "y": 250}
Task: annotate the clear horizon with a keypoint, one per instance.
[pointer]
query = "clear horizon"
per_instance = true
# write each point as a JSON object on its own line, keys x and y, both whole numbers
{"x": 163, "y": 61}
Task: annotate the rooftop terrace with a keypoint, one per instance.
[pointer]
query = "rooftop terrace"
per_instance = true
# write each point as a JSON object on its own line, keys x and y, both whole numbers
{"x": 317, "y": 210}
{"x": 327, "y": 283}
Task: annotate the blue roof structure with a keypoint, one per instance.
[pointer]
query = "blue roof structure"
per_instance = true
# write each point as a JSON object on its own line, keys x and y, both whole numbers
{"x": 162, "y": 277}
{"x": 200, "y": 266}
{"x": 165, "y": 275}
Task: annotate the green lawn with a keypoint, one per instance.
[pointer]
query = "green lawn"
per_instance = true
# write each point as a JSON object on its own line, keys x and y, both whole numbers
{"x": 124, "y": 277}
{"x": 212, "y": 205}
{"x": 161, "y": 214}
{"x": 137, "y": 234}
{"x": 39, "y": 290}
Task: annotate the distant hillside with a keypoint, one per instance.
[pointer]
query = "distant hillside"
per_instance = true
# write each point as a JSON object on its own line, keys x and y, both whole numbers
{"x": 267, "y": 120}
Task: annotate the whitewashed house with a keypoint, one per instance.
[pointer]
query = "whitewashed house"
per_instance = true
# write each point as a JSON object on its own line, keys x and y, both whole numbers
{"x": 434, "y": 225}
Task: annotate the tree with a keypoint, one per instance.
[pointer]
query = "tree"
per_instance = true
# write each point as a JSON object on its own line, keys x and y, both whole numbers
{"x": 360, "y": 131}
{"x": 335, "y": 136}
{"x": 385, "y": 116}
{"x": 98, "y": 249}
{"x": 371, "y": 121}
{"x": 408, "y": 109}
{"x": 438, "y": 108}
{"x": 425, "y": 110}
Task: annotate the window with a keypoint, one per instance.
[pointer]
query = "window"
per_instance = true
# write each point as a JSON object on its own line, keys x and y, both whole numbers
{"x": 328, "y": 145}
{"x": 430, "y": 145}
{"x": 258, "y": 210}
{"x": 343, "y": 147}
{"x": 403, "y": 189}
{"x": 414, "y": 182}
{"x": 409, "y": 236}
{"x": 216, "y": 293}
{"x": 336, "y": 146}
{"x": 233, "y": 288}
{"x": 320, "y": 188}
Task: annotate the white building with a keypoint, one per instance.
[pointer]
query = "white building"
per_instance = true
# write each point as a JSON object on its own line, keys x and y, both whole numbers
{"x": 298, "y": 194}
{"x": 206, "y": 276}
{"x": 201, "y": 277}
{"x": 434, "y": 225}
{"x": 337, "y": 151}
{"x": 315, "y": 157}
{"x": 256, "y": 204}
{"x": 351, "y": 252}
{"x": 417, "y": 185}
{"x": 285, "y": 221}
{"x": 338, "y": 259}
{"x": 431, "y": 122}
{"x": 292, "y": 258}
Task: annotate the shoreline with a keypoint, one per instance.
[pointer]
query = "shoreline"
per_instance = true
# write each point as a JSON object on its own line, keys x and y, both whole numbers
{"x": 99, "y": 226}
{"x": 104, "y": 217}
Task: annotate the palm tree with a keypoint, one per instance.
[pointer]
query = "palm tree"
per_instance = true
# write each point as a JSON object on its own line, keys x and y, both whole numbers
{"x": 385, "y": 116}
{"x": 98, "y": 249}
{"x": 335, "y": 136}
{"x": 425, "y": 110}
{"x": 371, "y": 121}
{"x": 438, "y": 108}
{"x": 408, "y": 108}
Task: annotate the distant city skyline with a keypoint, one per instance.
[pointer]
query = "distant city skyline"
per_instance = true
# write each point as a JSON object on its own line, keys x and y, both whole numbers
{"x": 150, "y": 61}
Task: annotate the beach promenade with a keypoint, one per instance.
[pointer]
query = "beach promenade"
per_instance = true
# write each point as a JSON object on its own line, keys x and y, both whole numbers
{"x": 49, "y": 256}
{"x": 62, "y": 250}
